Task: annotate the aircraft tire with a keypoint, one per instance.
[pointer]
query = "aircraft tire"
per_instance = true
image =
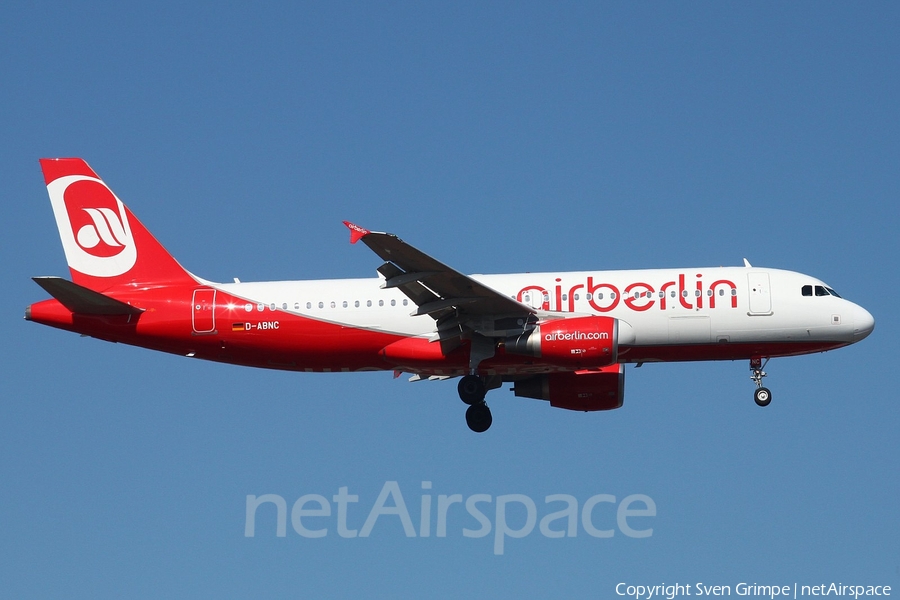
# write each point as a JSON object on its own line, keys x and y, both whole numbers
{"x": 478, "y": 417}
{"x": 762, "y": 396}
{"x": 471, "y": 389}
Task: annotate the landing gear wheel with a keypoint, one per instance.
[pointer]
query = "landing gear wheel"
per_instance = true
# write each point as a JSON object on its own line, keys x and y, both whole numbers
{"x": 762, "y": 396}
{"x": 471, "y": 390}
{"x": 478, "y": 417}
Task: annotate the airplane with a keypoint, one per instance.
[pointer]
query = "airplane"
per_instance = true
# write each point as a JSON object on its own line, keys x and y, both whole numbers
{"x": 561, "y": 337}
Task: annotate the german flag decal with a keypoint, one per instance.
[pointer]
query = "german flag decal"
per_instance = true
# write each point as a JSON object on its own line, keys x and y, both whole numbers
{"x": 238, "y": 326}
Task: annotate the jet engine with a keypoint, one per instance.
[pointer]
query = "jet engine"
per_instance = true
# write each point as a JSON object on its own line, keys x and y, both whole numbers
{"x": 577, "y": 342}
{"x": 603, "y": 389}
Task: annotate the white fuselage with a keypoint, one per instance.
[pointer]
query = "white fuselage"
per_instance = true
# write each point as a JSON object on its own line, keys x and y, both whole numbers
{"x": 663, "y": 306}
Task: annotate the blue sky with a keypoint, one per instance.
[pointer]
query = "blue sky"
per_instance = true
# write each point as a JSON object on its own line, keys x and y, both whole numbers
{"x": 500, "y": 138}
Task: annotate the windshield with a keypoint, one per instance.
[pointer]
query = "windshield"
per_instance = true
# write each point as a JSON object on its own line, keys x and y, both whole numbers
{"x": 820, "y": 290}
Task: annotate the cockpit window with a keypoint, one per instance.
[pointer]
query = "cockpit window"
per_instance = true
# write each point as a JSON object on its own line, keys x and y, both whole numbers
{"x": 820, "y": 290}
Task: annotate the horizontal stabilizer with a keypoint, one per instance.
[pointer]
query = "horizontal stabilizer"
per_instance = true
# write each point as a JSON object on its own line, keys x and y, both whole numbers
{"x": 80, "y": 299}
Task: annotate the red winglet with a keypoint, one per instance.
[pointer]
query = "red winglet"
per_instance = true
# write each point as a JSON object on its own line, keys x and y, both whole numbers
{"x": 356, "y": 232}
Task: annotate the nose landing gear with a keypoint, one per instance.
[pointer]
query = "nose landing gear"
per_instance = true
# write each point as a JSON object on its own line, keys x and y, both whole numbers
{"x": 762, "y": 396}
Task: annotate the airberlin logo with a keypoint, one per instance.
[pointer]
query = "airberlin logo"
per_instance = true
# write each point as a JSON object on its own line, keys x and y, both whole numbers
{"x": 93, "y": 226}
{"x": 105, "y": 227}
{"x": 638, "y": 296}
{"x": 575, "y": 336}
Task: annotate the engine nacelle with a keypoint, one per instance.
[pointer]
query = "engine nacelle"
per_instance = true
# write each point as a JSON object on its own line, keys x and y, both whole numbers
{"x": 603, "y": 389}
{"x": 577, "y": 342}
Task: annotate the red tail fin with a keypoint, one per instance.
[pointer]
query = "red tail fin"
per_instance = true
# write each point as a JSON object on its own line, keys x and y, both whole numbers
{"x": 105, "y": 244}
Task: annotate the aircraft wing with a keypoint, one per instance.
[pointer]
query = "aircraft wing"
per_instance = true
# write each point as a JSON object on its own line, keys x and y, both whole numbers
{"x": 445, "y": 294}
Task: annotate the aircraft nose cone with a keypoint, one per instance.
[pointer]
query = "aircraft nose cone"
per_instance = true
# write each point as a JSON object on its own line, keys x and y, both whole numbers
{"x": 863, "y": 323}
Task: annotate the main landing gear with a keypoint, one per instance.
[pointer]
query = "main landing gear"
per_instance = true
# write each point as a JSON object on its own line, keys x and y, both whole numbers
{"x": 473, "y": 387}
{"x": 472, "y": 390}
{"x": 762, "y": 396}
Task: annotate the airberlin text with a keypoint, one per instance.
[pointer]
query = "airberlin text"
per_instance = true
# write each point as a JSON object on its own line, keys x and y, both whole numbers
{"x": 514, "y": 515}
{"x": 576, "y": 335}
{"x": 637, "y": 296}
